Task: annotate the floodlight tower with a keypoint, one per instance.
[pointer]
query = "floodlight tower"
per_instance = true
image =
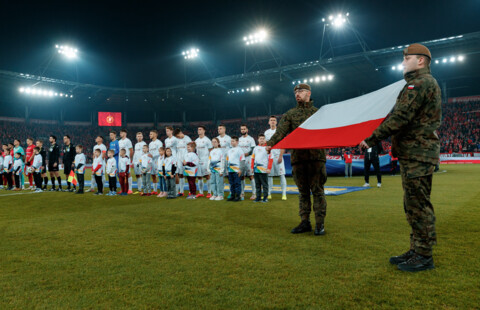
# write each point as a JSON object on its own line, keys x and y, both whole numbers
{"x": 68, "y": 53}
{"x": 337, "y": 22}
{"x": 189, "y": 55}
{"x": 252, "y": 42}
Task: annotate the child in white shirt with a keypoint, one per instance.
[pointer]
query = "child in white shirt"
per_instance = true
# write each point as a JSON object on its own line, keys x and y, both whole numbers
{"x": 111, "y": 171}
{"x": 124, "y": 172}
{"x": 216, "y": 165}
{"x": 80, "y": 162}
{"x": 98, "y": 170}
{"x": 190, "y": 164}
{"x": 235, "y": 164}
{"x": 162, "y": 182}
{"x": 17, "y": 170}
{"x": 261, "y": 165}
{"x": 37, "y": 169}
{"x": 146, "y": 167}
{"x": 169, "y": 169}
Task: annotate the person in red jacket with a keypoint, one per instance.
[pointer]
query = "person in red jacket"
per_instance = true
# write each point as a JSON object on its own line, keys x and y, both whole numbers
{"x": 393, "y": 163}
{"x": 29, "y": 161}
{"x": 348, "y": 158}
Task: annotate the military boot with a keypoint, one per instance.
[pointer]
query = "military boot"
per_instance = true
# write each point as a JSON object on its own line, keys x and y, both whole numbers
{"x": 417, "y": 263}
{"x": 395, "y": 260}
{"x": 319, "y": 229}
{"x": 304, "y": 226}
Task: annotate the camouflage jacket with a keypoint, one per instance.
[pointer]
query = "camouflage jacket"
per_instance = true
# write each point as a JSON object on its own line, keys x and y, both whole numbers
{"x": 289, "y": 122}
{"x": 414, "y": 120}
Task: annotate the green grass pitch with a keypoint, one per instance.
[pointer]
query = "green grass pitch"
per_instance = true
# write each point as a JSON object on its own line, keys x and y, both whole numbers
{"x": 60, "y": 250}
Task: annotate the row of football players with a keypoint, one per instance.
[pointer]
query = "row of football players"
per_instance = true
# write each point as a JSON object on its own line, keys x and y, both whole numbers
{"x": 177, "y": 143}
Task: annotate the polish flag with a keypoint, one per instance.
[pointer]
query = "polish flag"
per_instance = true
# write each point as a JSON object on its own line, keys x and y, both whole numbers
{"x": 344, "y": 123}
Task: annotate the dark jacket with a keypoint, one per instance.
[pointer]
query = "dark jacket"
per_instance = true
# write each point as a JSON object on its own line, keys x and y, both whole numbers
{"x": 53, "y": 154}
{"x": 68, "y": 154}
{"x": 373, "y": 154}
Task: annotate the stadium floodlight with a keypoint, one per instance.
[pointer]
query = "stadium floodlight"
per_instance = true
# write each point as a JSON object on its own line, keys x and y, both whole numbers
{"x": 315, "y": 79}
{"x": 337, "y": 20}
{"x": 40, "y": 92}
{"x": 254, "y": 38}
{"x": 397, "y": 67}
{"x": 191, "y": 53}
{"x": 67, "y": 51}
{"x": 451, "y": 59}
{"x": 250, "y": 89}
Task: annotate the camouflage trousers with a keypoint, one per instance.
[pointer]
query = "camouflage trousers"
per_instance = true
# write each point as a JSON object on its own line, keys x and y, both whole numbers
{"x": 417, "y": 186}
{"x": 310, "y": 177}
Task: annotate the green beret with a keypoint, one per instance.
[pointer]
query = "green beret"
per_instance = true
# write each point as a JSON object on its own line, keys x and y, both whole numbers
{"x": 302, "y": 86}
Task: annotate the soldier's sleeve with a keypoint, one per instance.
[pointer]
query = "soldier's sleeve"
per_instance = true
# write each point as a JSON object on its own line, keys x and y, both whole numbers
{"x": 283, "y": 129}
{"x": 408, "y": 103}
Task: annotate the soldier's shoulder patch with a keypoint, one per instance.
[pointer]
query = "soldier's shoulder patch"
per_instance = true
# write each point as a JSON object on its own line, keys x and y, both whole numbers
{"x": 411, "y": 86}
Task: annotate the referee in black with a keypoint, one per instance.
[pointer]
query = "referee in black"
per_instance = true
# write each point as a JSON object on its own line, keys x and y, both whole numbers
{"x": 53, "y": 163}
{"x": 371, "y": 158}
{"x": 68, "y": 159}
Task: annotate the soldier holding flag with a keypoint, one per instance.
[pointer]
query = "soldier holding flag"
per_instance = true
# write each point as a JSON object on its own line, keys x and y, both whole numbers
{"x": 412, "y": 124}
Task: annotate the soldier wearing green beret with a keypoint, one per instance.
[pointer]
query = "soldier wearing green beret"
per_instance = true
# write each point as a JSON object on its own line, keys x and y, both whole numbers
{"x": 412, "y": 124}
{"x": 308, "y": 166}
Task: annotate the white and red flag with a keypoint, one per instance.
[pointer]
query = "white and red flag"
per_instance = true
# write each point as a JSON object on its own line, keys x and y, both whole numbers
{"x": 344, "y": 123}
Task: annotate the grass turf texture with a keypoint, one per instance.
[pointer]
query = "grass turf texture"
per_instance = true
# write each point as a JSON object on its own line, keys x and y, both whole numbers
{"x": 60, "y": 250}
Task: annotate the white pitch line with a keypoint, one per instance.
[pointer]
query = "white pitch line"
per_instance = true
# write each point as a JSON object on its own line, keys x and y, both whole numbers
{"x": 14, "y": 194}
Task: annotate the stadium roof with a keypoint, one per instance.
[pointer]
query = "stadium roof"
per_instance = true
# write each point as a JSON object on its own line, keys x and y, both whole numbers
{"x": 353, "y": 74}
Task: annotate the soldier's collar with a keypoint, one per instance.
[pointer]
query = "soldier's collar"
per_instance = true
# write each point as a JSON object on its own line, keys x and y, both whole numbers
{"x": 305, "y": 104}
{"x": 414, "y": 74}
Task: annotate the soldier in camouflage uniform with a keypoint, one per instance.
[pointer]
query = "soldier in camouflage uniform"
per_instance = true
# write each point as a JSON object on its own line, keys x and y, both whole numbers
{"x": 308, "y": 166}
{"x": 413, "y": 123}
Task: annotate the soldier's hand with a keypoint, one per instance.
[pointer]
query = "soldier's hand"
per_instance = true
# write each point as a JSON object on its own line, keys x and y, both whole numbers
{"x": 363, "y": 145}
{"x": 280, "y": 159}
{"x": 268, "y": 170}
{"x": 268, "y": 148}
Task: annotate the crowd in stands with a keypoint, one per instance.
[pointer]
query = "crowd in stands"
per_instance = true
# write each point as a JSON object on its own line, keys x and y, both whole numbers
{"x": 459, "y": 132}
{"x": 460, "y": 129}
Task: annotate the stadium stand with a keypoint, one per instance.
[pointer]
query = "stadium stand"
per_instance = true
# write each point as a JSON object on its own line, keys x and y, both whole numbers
{"x": 459, "y": 132}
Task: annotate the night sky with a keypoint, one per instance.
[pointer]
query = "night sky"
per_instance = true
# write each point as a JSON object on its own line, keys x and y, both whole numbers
{"x": 139, "y": 45}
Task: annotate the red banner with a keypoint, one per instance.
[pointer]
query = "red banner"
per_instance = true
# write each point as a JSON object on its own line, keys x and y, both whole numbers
{"x": 110, "y": 119}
